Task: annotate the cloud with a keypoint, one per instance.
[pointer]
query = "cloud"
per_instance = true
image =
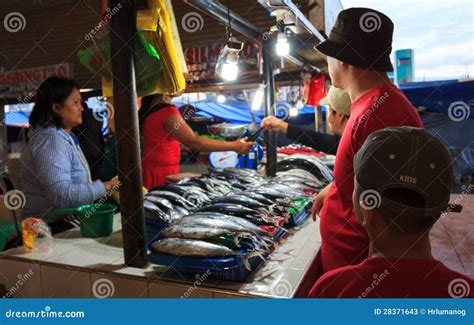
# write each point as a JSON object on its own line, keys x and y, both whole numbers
{"x": 440, "y": 32}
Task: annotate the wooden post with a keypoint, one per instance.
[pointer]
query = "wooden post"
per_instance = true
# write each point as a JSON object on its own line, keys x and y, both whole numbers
{"x": 127, "y": 134}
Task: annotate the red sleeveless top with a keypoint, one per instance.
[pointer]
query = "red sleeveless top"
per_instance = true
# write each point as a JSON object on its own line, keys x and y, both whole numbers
{"x": 161, "y": 151}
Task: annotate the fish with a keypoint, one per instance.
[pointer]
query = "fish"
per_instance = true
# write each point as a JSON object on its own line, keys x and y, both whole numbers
{"x": 226, "y": 237}
{"x": 309, "y": 163}
{"x": 257, "y": 197}
{"x": 175, "y": 199}
{"x": 181, "y": 211}
{"x": 258, "y": 217}
{"x": 288, "y": 191}
{"x": 301, "y": 173}
{"x": 242, "y": 200}
{"x": 161, "y": 202}
{"x": 269, "y": 193}
{"x": 199, "y": 248}
{"x": 224, "y": 221}
{"x": 191, "y": 247}
{"x": 154, "y": 212}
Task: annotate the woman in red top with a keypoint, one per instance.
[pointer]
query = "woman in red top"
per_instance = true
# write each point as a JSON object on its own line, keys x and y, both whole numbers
{"x": 163, "y": 131}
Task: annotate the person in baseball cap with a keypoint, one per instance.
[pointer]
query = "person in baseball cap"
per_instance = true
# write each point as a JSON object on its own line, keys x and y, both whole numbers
{"x": 339, "y": 105}
{"x": 403, "y": 179}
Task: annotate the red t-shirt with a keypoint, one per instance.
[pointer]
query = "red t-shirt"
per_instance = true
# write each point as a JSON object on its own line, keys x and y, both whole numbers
{"x": 344, "y": 241}
{"x": 380, "y": 277}
{"x": 161, "y": 151}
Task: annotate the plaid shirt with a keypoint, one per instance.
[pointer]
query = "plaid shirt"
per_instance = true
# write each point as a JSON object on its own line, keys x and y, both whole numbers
{"x": 54, "y": 173}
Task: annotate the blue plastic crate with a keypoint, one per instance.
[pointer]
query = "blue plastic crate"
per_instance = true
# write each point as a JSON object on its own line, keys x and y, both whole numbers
{"x": 229, "y": 268}
{"x": 153, "y": 229}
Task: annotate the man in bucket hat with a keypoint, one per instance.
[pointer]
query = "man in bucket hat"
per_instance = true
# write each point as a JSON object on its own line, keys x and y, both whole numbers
{"x": 358, "y": 54}
{"x": 403, "y": 179}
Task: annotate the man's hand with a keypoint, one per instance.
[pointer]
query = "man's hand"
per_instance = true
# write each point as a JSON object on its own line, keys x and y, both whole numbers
{"x": 271, "y": 123}
{"x": 319, "y": 201}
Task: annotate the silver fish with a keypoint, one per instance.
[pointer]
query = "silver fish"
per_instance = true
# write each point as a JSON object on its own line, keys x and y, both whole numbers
{"x": 192, "y": 247}
{"x": 223, "y": 221}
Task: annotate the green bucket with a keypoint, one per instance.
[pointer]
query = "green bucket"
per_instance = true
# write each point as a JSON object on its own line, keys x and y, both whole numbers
{"x": 96, "y": 219}
{"x": 7, "y": 228}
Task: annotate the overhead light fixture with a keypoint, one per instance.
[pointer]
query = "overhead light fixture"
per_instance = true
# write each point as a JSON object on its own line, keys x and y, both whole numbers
{"x": 299, "y": 104}
{"x": 258, "y": 97}
{"x": 221, "y": 99}
{"x": 227, "y": 65}
{"x": 293, "y": 111}
{"x": 282, "y": 46}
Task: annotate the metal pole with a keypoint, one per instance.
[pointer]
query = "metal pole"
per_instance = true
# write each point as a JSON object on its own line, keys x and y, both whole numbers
{"x": 128, "y": 141}
{"x": 270, "y": 137}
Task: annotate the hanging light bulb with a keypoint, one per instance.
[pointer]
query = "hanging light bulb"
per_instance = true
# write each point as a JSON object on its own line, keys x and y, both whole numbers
{"x": 258, "y": 98}
{"x": 299, "y": 104}
{"x": 293, "y": 111}
{"x": 282, "y": 46}
{"x": 230, "y": 70}
{"x": 221, "y": 99}
{"x": 227, "y": 64}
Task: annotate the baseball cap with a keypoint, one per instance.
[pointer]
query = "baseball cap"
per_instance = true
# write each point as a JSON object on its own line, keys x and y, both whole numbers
{"x": 406, "y": 158}
{"x": 361, "y": 37}
{"x": 338, "y": 99}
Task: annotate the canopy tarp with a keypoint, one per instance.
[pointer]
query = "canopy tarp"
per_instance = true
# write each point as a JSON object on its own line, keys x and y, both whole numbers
{"x": 439, "y": 95}
{"x": 237, "y": 111}
{"x": 17, "y": 119}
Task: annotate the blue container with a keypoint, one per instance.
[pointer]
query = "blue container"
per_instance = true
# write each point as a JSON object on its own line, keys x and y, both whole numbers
{"x": 153, "y": 229}
{"x": 229, "y": 268}
{"x": 300, "y": 217}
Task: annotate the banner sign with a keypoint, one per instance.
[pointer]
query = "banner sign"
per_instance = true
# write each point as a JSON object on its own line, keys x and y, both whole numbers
{"x": 24, "y": 83}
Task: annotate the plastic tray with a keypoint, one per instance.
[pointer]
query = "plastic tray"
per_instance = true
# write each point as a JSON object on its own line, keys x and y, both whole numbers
{"x": 301, "y": 216}
{"x": 229, "y": 268}
{"x": 153, "y": 229}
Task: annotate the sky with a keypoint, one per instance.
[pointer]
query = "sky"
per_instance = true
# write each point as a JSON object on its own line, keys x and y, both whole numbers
{"x": 441, "y": 33}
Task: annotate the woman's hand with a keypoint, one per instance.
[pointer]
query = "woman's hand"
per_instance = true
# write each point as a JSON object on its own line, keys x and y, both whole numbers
{"x": 272, "y": 123}
{"x": 112, "y": 185}
{"x": 242, "y": 146}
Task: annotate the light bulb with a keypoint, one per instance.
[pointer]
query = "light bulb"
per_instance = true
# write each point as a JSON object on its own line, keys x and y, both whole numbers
{"x": 282, "y": 46}
{"x": 293, "y": 111}
{"x": 221, "y": 99}
{"x": 299, "y": 104}
{"x": 258, "y": 98}
{"x": 230, "y": 71}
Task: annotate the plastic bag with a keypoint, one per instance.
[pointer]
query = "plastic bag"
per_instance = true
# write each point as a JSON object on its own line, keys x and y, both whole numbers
{"x": 147, "y": 63}
{"x": 36, "y": 235}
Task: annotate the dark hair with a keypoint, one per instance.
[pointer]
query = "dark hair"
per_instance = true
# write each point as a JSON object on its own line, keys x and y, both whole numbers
{"x": 54, "y": 90}
{"x": 146, "y": 106}
{"x": 404, "y": 222}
